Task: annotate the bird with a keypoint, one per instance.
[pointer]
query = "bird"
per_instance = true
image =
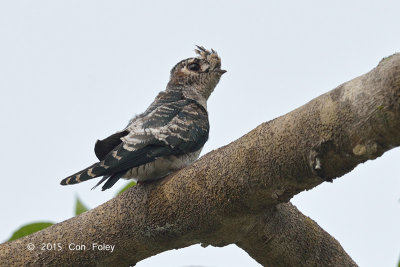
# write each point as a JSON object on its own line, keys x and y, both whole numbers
{"x": 168, "y": 136}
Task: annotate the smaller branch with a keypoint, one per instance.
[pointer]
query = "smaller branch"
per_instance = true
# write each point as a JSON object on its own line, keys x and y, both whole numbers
{"x": 286, "y": 237}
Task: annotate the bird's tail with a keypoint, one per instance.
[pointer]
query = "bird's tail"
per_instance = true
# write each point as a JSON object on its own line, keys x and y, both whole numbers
{"x": 111, "y": 180}
{"x": 96, "y": 170}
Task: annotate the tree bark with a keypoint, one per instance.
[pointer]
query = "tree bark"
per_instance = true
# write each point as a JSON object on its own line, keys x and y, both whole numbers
{"x": 239, "y": 193}
{"x": 285, "y": 237}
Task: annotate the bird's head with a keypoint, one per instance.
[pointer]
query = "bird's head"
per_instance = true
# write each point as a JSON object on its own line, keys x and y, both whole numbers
{"x": 200, "y": 73}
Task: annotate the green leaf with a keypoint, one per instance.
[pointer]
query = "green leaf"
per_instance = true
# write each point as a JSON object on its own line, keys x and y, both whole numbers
{"x": 29, "y": 229}
{"x": 126, "y": 187}
{"x": 79, "y": 207}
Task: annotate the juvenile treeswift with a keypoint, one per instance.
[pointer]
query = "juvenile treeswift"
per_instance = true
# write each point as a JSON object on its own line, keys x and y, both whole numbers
{"x": 168, "y": 136}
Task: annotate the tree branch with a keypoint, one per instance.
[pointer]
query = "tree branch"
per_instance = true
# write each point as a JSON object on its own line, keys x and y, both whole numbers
{"x": 231, "y": 195}
{"x": 285, "y": 237}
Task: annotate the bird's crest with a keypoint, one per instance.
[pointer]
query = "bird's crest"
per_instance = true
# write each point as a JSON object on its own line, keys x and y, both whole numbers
{"x": 204, "y": 53}
{"x": 210, "y": 56}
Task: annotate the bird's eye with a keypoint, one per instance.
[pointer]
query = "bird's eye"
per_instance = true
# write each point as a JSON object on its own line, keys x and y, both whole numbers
{"x": 194, "y": 67}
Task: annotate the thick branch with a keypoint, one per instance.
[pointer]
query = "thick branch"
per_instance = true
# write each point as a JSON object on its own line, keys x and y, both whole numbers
{"x": 230, "y": 194}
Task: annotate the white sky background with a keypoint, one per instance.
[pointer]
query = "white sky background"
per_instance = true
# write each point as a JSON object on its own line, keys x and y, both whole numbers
{"x": 72, "y": 72}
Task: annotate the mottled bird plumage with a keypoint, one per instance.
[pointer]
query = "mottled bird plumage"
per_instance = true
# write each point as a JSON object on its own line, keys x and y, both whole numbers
{"x": 168, "y": 136}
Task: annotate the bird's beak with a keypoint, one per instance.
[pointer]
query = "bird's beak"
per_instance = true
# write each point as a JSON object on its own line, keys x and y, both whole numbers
{"x": 220, "y": 71}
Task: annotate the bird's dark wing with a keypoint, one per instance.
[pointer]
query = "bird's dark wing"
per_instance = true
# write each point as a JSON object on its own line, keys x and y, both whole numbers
{"x": 166, "y": 106}
{"x": 173, "y": 129}
{"x": 103, "y": 147}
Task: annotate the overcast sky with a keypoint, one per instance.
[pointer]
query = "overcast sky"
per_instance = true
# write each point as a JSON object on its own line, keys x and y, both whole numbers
{"x": 72, "y": 72}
